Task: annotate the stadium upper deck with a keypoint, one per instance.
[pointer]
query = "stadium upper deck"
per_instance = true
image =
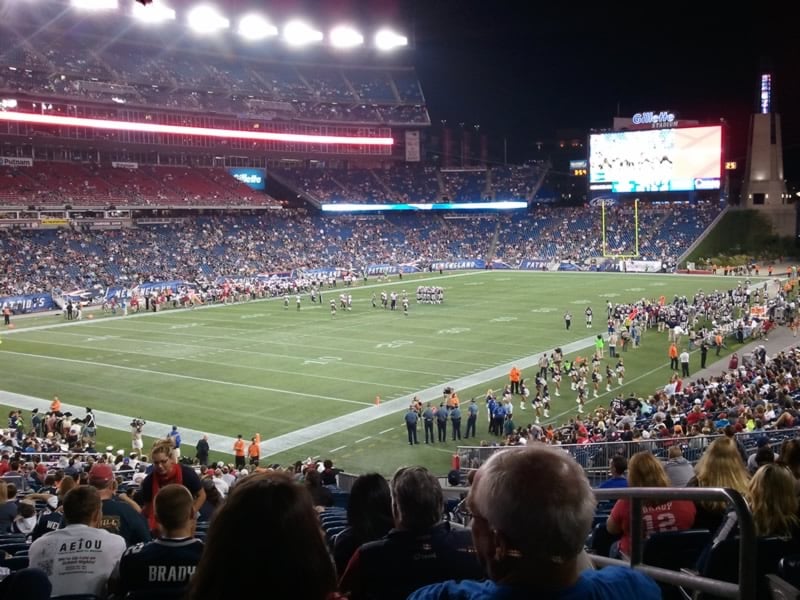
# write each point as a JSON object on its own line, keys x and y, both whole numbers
{"x": 88, "y": 184}
{"x": 58, "y": 54}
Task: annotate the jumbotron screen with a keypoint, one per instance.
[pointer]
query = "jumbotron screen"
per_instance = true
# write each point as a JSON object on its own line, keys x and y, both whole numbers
{"x": 657, "y": 160}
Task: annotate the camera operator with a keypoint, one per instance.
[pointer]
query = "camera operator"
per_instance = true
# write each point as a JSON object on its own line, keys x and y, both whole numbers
{"x": 137, "y": 425}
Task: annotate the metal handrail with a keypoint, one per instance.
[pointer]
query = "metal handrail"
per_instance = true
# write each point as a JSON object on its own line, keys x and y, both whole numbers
{"x": 601, "y": 452}
{"x": 747, "y": 586}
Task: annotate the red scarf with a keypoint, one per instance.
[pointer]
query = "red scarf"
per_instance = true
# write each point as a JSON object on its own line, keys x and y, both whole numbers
{"x": 158, "y": 482}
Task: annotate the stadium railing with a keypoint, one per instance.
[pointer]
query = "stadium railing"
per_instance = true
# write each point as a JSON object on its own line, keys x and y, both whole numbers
{"x": 595, "y": 457}
{"x": 747, "y": 587}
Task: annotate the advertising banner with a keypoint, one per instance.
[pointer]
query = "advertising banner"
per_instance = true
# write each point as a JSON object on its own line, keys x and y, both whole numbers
{"x": 255, "y": 178}
{"x": 412, "y": 146}
{"x": 15, "y": 161}
{"x": 641, "y": 266}
{"x": 458, "y": 265}
{"x": 28, "y": 303}
{"x": 386, "y": 269}
{"x": 534, "y": 264}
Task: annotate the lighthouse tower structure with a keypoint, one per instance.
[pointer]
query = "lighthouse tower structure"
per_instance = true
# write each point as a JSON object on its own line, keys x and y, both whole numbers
{"x": 764, "y": 188}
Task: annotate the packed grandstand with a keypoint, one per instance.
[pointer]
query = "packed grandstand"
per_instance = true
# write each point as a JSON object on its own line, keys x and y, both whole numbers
{"x": 90, "y": 215}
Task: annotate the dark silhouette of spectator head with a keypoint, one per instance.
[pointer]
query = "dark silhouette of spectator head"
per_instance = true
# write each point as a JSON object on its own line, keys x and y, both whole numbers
{"x": 417, "y": 500}
{"x": 267, "y": 531}
{"x": 790, "y": 456}
{"x": 369, "y": 517}
{"x": 523, "y": 529}
{"x": 618, "y": 465}
{"x": 321, "y": 495}
{"x": 369, "y": 508}
{"x": 764, "y": 456}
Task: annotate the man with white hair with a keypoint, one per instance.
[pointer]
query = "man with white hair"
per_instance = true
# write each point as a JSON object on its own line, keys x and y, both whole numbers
{"x": 530, "y": 536}
{"x": 221, "y": 485}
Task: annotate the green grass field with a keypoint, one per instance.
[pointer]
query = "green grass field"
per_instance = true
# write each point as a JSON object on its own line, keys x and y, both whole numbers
{"x": 307, "y": 381}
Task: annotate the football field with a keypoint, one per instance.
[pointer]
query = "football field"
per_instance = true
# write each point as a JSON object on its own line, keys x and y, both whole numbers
{"x": 307, "y": 381}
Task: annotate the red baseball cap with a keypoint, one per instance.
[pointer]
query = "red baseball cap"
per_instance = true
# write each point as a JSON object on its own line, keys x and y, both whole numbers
{"x": 101, "y": 473}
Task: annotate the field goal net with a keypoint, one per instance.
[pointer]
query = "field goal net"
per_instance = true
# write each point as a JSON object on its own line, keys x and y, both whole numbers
{"x": 620, "y": 227}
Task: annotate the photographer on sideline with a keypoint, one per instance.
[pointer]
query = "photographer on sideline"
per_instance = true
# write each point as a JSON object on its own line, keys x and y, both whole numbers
{"x": 137, "y": 425}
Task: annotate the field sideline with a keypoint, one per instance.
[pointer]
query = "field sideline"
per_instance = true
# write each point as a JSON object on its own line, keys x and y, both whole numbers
{"x": 308, "y": 381}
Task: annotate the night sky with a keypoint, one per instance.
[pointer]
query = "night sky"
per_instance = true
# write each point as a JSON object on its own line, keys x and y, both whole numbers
{"x": 526, "y": 72}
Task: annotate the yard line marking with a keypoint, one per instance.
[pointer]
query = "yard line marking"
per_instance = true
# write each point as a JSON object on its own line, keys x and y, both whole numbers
{"x": 337, "y": 449}
{"x": 336, "y": 336}
{"x": 189, "y": 377}
{"x": 364, "y": 439}
{"x": 386, "y": 430}
{"x": 196, "y": 359}
{"x": 135, "y": 396}
{"x": 142, "y": 332}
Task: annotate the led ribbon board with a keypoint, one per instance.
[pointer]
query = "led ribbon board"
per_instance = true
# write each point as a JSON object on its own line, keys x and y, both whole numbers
{"x": 301, "y": 138}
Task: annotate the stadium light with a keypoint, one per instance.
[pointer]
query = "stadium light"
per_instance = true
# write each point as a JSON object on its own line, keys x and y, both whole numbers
{"x": 386, "y": 39}
{"x": 299, "y": 33}
{"x": 155, "y": 13}
{"x": 256, "y": 27}
{"x": 95, "y": 4}
{"x": 344, "y": 36}
{"x": 302, "y": 138}
{"x": 206, "y": 19}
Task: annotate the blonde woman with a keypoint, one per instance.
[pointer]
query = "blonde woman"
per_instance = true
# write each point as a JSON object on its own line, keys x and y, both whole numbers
{"x": 721, "y": 466}
{"x": 773, "y": 502}
{"x": 645, "y": 470}
{"x": 770, "y": 495}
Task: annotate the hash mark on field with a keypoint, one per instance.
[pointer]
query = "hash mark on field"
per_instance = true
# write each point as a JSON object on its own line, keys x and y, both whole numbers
{"x": 364, "y": 439}
{"x": 386, "y": 430}
{"x": 337, "y": 449}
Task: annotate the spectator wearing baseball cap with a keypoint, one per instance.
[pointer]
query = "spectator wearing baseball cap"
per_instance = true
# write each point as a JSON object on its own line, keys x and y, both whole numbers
{"x": 121, "y": 515}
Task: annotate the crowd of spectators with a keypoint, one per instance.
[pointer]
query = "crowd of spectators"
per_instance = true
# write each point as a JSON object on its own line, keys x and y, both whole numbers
{"x": 413, "y": 183}
{"x": 757, "y": 400}
{"x": 574, "y": 234}
{"x": 228, "y": 245}
{"x": 55, "y": 184}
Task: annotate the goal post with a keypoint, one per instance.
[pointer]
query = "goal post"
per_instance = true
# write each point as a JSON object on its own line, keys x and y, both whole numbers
{"x": 609, "y": 254}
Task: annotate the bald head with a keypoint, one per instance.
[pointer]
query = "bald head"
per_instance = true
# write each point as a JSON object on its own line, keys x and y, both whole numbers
{"x": 538, "y": 498}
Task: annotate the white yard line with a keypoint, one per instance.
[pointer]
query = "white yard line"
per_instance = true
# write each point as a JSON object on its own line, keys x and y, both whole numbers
{"x": 263, "y": 354}
{"x": 221, "y": 364}
{"x": 305, "y": 435}
{"x": 196, "y": 333}
{"x": 189, "y": 377}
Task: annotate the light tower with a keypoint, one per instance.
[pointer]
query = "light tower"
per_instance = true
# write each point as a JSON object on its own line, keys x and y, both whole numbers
{"x": 764, "y": 188}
